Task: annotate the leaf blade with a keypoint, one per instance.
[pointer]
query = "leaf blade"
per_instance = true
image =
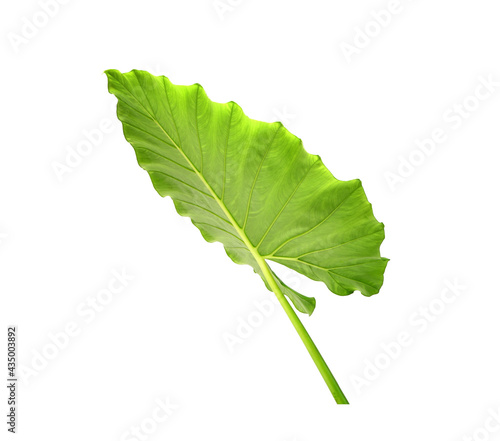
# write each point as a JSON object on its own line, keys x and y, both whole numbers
{"x": 250, "y": 185}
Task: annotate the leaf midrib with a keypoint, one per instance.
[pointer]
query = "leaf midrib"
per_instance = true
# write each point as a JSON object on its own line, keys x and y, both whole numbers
{"x": 260, "y": 261}
{"x": 230, "y": 217}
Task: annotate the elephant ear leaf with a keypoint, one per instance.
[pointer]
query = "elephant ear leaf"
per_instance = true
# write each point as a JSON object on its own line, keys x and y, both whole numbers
{"x": 251, "y": 186}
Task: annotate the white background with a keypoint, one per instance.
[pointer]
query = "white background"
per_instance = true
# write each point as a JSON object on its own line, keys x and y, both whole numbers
{"x": 162, "y": 337}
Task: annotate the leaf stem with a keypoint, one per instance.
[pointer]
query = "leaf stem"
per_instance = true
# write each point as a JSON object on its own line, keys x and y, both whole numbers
{"x": 299, "y": 327}
{"x": 323, "y": 368}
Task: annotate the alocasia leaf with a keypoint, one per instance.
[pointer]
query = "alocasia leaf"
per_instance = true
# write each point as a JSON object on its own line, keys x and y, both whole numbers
{"x": 252, "y": 186}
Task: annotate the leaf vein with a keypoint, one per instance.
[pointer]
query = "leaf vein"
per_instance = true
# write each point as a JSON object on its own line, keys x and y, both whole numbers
{"x": 317, "y": 225}
{"x": 164, "y": 157}
{"x": 225, "y": 153}
{"x": 181, "y": 181}
{"x": 197, "y": 129}
{"x": 336, "y": 246}
{"x": 218, "y": 228}
{"x": 257, "y": 175}
{"x": 285, "y": 205}
{"x": 203, "y": 208}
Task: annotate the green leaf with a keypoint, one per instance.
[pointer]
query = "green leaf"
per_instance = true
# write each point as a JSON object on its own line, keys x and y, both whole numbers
{"x": 252, "y": 186}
